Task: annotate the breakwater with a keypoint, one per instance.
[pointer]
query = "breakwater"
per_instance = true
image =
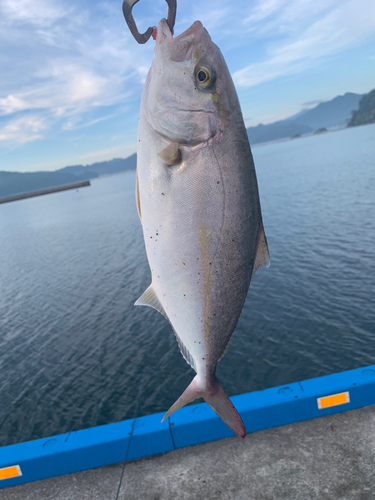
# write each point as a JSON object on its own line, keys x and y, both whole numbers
{"x": 40, "y": 192}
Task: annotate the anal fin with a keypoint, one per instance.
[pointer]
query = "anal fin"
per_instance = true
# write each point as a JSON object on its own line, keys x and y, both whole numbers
{"x": 149, "y": 298}
{"x": 184, "y": 351}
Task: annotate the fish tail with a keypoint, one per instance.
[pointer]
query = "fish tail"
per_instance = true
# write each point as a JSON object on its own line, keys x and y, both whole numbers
{"x": 217, "y": 398}
{"x": 224, "y": 408}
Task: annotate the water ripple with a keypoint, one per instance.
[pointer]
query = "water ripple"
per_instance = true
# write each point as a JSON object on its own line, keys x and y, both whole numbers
{"x": 75, "y": 352}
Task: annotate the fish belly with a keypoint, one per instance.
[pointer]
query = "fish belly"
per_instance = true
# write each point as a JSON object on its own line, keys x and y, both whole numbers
{"x": 200, "y": 219}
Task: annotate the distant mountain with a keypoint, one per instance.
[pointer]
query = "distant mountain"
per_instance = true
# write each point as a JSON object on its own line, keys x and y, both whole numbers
{"x": 332, "y": 113}
{"x": 103, "y": 168}
{"x": 278, "y": 130}
{"x": 328, "y": 114}
{"x": 15, "y": 182}
{"x": 366, "y": 111}
{"x": 325, "y": 115}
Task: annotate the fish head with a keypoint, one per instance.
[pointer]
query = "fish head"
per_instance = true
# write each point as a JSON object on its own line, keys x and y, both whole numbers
{"x": 188, "y": 89}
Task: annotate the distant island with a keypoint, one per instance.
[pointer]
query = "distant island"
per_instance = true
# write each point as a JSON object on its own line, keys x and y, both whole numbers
{"x": 365, "y": 113}
{"x": 326, "y": 115}
{"x": 347, "y": 110}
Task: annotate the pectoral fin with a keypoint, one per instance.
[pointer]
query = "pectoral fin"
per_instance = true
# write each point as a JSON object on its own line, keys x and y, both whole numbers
{"x": 171, "y": 154}
{"x": 262, "y": 257}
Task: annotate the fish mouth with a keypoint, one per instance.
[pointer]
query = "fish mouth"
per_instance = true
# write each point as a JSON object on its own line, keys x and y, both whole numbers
{"x": 194, "y": 31}
{"x": 179, "y": 48}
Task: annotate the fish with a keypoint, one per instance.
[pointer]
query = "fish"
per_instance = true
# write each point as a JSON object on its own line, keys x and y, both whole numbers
{"x": 198, "y": 201}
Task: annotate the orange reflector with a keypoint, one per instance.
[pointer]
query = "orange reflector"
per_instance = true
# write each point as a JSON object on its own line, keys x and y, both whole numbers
{"x": 334, "y": 400}
{"x": 9, "y": 472}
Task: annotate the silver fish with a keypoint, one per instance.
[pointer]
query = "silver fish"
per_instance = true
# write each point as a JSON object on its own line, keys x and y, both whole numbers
{"x": 197, "y": 197}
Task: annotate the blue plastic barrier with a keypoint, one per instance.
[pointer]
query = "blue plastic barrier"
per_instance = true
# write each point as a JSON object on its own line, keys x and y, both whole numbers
{"x": 276, "y": 406}
{"x": 144, "y": 436}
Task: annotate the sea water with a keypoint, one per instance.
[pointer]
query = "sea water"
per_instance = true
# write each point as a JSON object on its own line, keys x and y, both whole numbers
{"x": 75, "y": 352}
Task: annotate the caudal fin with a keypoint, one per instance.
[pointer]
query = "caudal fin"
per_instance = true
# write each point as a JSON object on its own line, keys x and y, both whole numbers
{"x": 216, "y": 397}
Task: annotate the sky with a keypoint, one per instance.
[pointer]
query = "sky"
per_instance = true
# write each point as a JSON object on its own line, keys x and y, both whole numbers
{"x": 71, "y": 74}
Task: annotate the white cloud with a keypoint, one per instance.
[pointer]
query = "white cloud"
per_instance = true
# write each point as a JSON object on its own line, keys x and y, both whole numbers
{"x": 282, "y": 17}
{"x": 69, "y": 90}
{"x": 212, "y": 19}
{"x": 311, "y": 104}
{"x": 77, "y": 123}
{"x": 262, "y": 10}
{"x": 39, "y": 12}
{"x": 12, "y": 104}
{"x": 22, "y": 130}
{"x": 342, "y": 27}
{"x": 71, "y": 62}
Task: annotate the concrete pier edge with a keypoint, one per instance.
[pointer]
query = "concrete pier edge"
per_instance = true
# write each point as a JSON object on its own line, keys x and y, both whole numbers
{"x": 145, "y": 436}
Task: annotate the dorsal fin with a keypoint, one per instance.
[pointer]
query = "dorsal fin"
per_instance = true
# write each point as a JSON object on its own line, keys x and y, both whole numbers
{"x": 137, "y": 200}
{"x": 262, "y": 257}
{"x": 149, "y": 298}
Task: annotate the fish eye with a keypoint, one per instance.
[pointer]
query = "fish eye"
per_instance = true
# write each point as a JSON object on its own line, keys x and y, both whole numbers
{"x": 204, "y": 77}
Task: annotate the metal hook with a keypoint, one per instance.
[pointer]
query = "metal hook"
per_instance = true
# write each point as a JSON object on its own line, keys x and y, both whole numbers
{"x": 143, "y": 37}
